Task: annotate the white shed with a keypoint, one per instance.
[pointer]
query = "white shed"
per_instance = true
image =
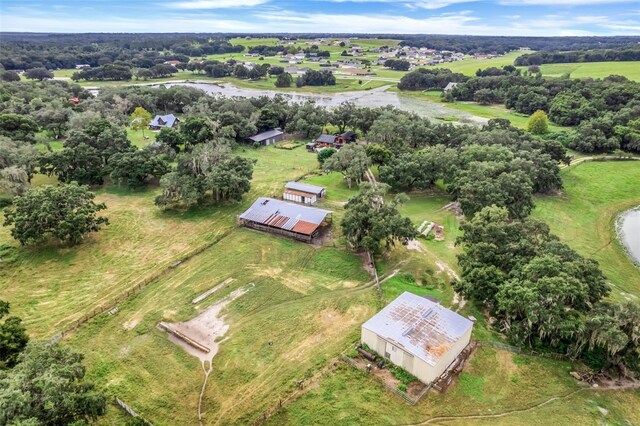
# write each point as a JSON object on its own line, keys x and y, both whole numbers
{"x": 303, "y": 192}
{"x": 418, "y": 335}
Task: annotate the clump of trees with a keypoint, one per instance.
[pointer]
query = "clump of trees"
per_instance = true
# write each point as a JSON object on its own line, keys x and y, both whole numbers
{"x": 66, "y": 213}
{"x": 398, "y": 64}
{"x": 371, "y": 224}
{"x": 433, "y": 78}
{"x": 13, "y": 337}
{"x": 209, "y": 173}
{"x": 351, "y": 161}
{"x": 543, "y": 294}
{"x": 48, "y": 386}
{"x": 316, "y": 78}
{"x": 538, "y": 124}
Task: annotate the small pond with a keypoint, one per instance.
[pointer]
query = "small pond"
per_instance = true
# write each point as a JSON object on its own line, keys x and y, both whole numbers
{"x": 629, "y": 232}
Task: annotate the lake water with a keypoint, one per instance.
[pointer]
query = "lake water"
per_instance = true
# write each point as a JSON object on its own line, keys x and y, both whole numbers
{"x": 629, "y": 233}
{"x": 366, "y": 98}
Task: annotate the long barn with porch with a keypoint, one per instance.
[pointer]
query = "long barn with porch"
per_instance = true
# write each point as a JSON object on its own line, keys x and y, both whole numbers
{"x": 288, "y": 219}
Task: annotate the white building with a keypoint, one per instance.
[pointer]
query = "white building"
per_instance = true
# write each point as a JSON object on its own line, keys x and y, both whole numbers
{"x": 418, "y": 335}
{"x": 303, "y": 192}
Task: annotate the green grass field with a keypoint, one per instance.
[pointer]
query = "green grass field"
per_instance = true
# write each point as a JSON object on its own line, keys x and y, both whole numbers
{"x": 584, "y": 216}
{"x": 631, "y": 70}
{"x": 471, "y": 65}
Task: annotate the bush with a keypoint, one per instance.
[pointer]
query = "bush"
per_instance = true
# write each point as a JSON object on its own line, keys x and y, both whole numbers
{"x": 403, "y": 375}
{"x": 402, "y": 387}
{"x": 5, "y": 201}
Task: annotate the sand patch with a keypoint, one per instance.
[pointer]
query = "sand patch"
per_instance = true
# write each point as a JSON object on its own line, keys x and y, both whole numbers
{"x": 200, "y": 336}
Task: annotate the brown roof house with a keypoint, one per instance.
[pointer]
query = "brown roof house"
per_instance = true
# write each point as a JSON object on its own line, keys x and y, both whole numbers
{"x": 419, "y": 335}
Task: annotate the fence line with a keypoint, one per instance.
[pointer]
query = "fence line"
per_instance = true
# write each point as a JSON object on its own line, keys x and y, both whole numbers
{"x": 126, "y": 294}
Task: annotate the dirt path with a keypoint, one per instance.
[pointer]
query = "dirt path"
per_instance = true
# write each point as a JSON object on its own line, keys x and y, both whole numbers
{"x": 493, "y": 416}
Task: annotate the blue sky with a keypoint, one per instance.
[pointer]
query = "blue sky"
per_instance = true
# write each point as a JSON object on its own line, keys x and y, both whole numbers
{"x": 482, "y": 17}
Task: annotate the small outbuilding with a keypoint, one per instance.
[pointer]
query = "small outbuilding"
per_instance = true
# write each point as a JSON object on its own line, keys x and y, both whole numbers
{"x": 419, "y": 335}
{"x": 303, "y": 192}
{"x": 269, "y": 137}
{"x": 288, "y": 219}
{"x": 450, "y": 86}
{"x": 161, "y": 121}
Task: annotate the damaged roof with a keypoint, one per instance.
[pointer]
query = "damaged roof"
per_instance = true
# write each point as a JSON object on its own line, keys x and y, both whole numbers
{"x": 289, "y": 216}
{"x": 421, "y": 327}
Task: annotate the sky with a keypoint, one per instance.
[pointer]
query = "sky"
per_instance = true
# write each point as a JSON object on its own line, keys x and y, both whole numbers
{"x": 476, "y": 17}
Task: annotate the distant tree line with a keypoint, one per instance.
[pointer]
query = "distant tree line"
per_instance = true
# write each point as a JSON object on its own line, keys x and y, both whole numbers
{"x": 68, "y": 50}
{"x": 430, "y": 78}
{"x": 502, "y": 44}
{"x": 603, "y": 112}
{"x": 594, "y": 55}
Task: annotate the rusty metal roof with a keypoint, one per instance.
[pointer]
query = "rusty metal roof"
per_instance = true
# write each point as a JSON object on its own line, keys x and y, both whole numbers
{"x": 289, "y": 216}
{"x": 423, "y": 328}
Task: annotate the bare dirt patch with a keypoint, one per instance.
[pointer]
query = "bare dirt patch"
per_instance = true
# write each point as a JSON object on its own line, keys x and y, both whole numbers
{"x": 414, "y": 245}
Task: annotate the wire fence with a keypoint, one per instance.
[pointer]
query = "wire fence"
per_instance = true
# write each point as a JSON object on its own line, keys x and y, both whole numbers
{"x": 136, "y": 288}
{"x": 524, "y": 351}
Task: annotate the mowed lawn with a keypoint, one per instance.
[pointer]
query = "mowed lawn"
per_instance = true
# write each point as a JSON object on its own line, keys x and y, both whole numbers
{"x": 584, "y": 216}
{"x": 51, "y": 286}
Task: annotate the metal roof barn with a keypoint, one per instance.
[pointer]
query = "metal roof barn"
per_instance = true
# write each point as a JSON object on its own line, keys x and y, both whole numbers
{"x": 290, "y": 219}
{"x": 418, "y": 334}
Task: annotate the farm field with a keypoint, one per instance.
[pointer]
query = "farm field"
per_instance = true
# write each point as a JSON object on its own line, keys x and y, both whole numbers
{"x": 584, "y": 216}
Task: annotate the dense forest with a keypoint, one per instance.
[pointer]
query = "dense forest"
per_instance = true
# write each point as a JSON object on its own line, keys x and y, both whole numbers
{"x": 595, "y": 55}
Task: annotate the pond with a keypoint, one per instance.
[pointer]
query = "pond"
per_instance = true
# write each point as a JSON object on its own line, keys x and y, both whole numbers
{"x": 366, "y": 98}
{"x": 629, "y": 232}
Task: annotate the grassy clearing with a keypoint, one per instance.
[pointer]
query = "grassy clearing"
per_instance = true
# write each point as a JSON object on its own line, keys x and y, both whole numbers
{"x": 137, "y": 137}
{"x": 471, "y": 65}
{"x": 312, "y": 300}
{"x": 51, "y": 286}
{"x": 584, "y": 216}
{"x": 494, "y": 381}
{"x": 631, "y": 70}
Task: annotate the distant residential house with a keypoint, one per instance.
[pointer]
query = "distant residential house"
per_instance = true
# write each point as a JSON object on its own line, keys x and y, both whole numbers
{"x": 161, "y": 121}
{"x": 287, "y": 219}
{"x": 334, "y": 141}
{"x": 82, "y": 66}
{"x": 450, "y": 86}
{"x": 269, "y": 137}
{"x": 419, "y": 335}
{"x": 303, "y": 192}
{"x": 172, "y": 63}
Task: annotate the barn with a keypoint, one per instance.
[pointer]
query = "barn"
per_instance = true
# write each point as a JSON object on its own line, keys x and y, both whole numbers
{"x": 268, "y": 137}
{"x": 303, "y": 192}
{"x": 288, "y": 219}
{"x": 419, "y": 335}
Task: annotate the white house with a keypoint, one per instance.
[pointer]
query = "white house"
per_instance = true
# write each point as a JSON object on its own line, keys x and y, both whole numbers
{"x": 303, "y": 192}
{"x": 419, "y": 335}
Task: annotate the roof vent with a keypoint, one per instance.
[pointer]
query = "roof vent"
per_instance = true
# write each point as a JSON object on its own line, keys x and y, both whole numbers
{"x": 264, "y": 202}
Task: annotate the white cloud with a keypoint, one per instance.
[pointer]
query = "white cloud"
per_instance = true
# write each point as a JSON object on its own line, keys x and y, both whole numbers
{"x": 213, "y": 4}
{"x": 561, "y": 2}
{"x": 414, "y": 4}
